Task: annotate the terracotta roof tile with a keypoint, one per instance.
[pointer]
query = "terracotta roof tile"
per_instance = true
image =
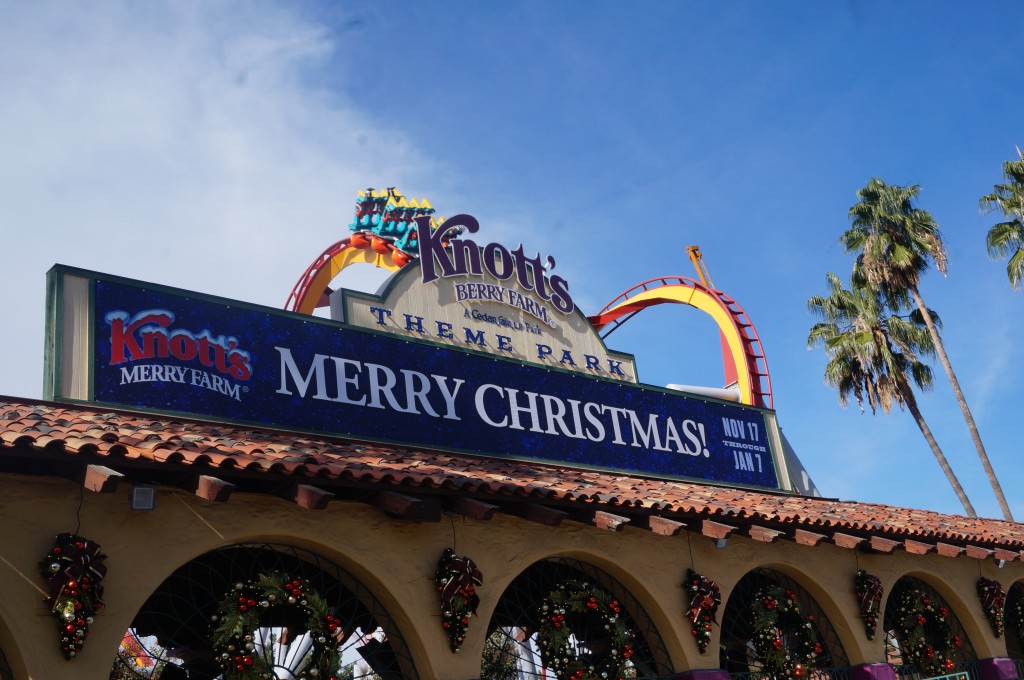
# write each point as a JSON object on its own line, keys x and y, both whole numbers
{"x": 86, "y": 431}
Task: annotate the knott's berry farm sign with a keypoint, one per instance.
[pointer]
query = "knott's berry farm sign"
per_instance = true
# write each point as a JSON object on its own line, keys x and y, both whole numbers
{"x": 470, "y": 349}
{"x": 486, "y": 298}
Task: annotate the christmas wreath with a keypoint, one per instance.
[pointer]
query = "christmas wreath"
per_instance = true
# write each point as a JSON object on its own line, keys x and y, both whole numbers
{"x": 237, "y": 620}
{"x": 993, "y": 602}
{"x": 869, "y": 597}
{"x": 784, "y": 639}
{"x": 926, "y": 640}
{"x": 457, "y": 578}
{"x": 74, "y": 568}
{"x": 705, "y": 599}
{"x": 581, "y": 633}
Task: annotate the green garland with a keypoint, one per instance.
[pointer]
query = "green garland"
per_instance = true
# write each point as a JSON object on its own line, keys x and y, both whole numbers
{"x": 238, "y": 617}
{"x": 784, "y": 639}
{"x": 560, "y": 654}
{"x": 993, "y": 602}
{"x": 923, "y": 631}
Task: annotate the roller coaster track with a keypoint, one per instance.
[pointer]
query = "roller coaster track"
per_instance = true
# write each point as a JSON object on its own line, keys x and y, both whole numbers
{"x": 312, "y": 290}
{"x": 742, "y": 352}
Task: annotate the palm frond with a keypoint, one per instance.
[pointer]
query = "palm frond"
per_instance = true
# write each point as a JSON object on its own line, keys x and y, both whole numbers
{"x": 1006, "y": 239}
{"x": 872, "y": 356}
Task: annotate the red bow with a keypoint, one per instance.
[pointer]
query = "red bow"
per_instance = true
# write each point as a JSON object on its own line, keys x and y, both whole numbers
{"x": 872, "y": 592}
{"x": 461, "y": 573}
{"x": 707, "y": 598}
{"x": 991, "y": 593}
{"x": 77, "y": 558}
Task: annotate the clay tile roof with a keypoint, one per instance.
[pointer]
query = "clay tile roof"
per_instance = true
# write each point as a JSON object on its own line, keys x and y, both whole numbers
{"x": 79, "y": 434}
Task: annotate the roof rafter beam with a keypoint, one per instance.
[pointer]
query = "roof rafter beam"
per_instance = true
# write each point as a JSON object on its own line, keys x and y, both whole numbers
{"x": 716, "y": 530}
{"x": 609, "y": 522}
{"x": 305, "y": 496}
{"x": 664, "y": 527}
{"x": 542, "y": 514}
{"x": 211, "y": 488}
{"x": 883, "y": 545}
{"x": 763, "y": 534}
{"x": 470, "y": 507}
{"x": 804, "y": 537}
{"x": 410, "y": 507}
{"x": 978, "y": 553}
{"x": 847, "y": 541}
{"x": 947, "y": 550}
{"x": 917, "y": 548}
{"x": 100, "y": 479}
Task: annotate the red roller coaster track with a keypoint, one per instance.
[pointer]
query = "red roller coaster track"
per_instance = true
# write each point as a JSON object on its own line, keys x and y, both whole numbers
{"x": 627, "y": 305}
{"x": 301, "y": 288}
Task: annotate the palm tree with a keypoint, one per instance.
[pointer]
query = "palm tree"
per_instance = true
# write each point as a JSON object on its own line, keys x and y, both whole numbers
{"x": 895, "y": 243}
{"x": 1007, "y": 238}
{"x": 873, "y": 358}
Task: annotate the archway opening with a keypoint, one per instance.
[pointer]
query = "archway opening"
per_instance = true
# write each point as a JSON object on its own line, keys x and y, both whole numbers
{"x": 171, "y": 637}
{"x": 523, "y": 642}
{"x": 1014, "y": 618}
{"x": 773, "y": 627}
{"x": 923, "y": 636}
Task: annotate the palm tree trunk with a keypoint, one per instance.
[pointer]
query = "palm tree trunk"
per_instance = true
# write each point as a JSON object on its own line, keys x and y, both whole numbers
{"x": 911, "y": 401}
{"x": 940, "y": 349}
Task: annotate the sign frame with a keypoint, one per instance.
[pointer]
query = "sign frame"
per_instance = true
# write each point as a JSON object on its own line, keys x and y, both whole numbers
{"x": 71, "y": 358}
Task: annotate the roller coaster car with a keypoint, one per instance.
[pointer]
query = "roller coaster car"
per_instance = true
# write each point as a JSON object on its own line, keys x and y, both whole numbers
{"x": 391, "y": 220}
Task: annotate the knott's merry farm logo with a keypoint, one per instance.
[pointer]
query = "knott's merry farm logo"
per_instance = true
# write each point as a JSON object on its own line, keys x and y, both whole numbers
{"x": 483, "y": 297}
{"x": 143, "y": 340}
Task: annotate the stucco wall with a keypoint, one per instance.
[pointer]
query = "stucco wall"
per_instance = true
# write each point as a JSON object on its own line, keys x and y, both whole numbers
{"x": 396, "y": 560}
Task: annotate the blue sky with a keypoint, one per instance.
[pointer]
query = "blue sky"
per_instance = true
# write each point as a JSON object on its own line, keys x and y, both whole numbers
{"x": 219, "y": 146}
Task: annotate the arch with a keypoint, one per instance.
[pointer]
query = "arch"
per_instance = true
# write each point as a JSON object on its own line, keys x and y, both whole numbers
{"x": 168, "y": 638}
{"x": 902, "y": 609}
{"x": 512, "y": 639}
{"x": 738, "y": 653}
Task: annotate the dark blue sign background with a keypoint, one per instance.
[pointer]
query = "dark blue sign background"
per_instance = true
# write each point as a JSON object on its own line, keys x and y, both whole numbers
{"x": 733, "y": 434}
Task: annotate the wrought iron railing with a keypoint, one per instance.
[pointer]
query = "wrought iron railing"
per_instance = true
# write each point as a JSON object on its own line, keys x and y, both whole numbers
{"x": 967, "y": 670}
{"x": 810, "y": 674}
{"x": 970, "y": 669}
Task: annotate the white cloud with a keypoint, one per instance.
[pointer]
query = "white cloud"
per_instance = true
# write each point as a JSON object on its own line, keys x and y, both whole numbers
{"x": 181, "y": 144}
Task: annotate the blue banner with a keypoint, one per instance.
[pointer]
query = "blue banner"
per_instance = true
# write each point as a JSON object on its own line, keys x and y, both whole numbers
{"x": 178, "y": 352}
